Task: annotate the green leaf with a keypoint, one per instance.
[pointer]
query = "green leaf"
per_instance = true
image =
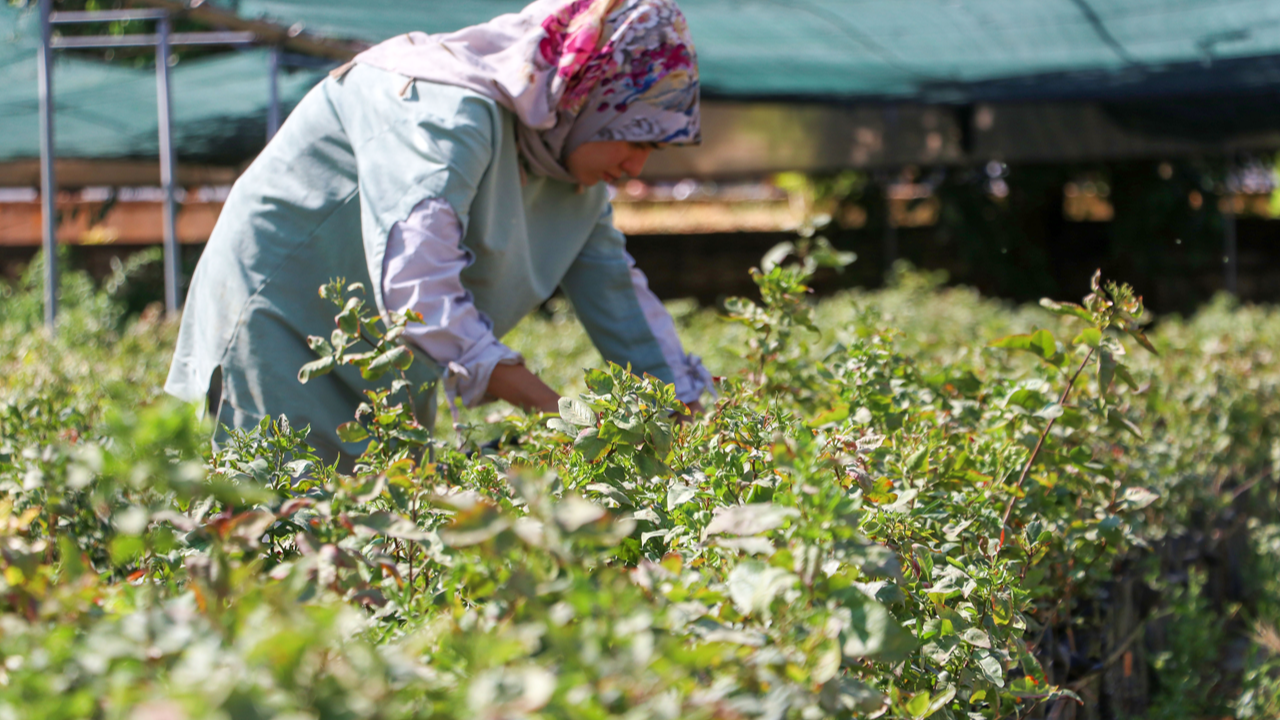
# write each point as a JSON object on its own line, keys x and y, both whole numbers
{"x": 1066, "y": 308}
{"x": 613, "y": 432}
{"x": 611, "y": 492}
{"x": 1141, "y": 337}
{"x": 398, "y": 357}
{"x": 599, "y": 382}
{"x": 125, "y": 548}
{"x": 846, "y": 697}
{"x": 1050, "y": 411}
{"x": 1136, "y": 498}
{"x": 390, "y": 525}
{"x": 1001, "y": 609}
{"x": 679, "y": 494}
{"x": 745, "y": 520}
{"x": 349, "y": 319}
{"x": 940, "y": 649}
{"x": 573, "y": 512}
{"x": 650, "y": 466}
{"x": 916, "y": 461}
{"x": 562, "y": 427}
{"x": 73, "y": 560}
{"x": 481, "y": 523}
{"x": 939, "y": 701}
{"x": 659, "y": 437}
{"x": 918, "y": 705}
{"x": 874, "y": 634}
{"x": 1039, "y": 343}
{"x": 1117, "y": 420}
{"x": 332, "y": 291}
{"x": 749, "y": 545}
{"x": 753, "y": 585}
{"x": 402, "y": 358}
{"x": 1122, "y": 372}
{"x": 352, "y": 432}
{"x": 1092, "y": 337}
{"x": 991, "y": 667}
{"x": 836, "y": 414}
{"x": 1043, "y": 341}
{"x": 590, "y": 445}
{"x": 1106, "y": 371}
{"x": 319, "y": 345}
{"x": 576, "y": 412}
{"x": 315, "y": 369}
{"x": 976, "y": 637}
{"x": 776, "y": 255}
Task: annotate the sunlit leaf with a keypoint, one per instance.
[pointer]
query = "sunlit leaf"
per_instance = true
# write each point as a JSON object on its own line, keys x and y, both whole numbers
{"x": 590, "y": 445}
{"x": 352, "y": 432}
{"x": 576, "y": 412}
{"x": 749, "y": 519}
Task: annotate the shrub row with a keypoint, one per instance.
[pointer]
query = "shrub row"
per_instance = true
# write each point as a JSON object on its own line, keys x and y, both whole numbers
{"x": 891, "y": 502}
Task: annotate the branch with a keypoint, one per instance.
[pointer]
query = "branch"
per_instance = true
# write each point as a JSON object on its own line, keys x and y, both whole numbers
{"x": 1008, "y": 510}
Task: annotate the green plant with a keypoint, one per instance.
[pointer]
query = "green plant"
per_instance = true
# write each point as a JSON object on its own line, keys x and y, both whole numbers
{"x": 1189, "y": 672}
{"x": 884, "y": 514}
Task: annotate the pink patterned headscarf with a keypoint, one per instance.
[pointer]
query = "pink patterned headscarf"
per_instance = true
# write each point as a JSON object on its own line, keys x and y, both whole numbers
{"x": 572, "y": 71}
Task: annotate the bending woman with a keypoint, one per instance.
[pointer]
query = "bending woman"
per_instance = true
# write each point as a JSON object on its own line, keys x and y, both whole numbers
{"x": 460, "y": 175}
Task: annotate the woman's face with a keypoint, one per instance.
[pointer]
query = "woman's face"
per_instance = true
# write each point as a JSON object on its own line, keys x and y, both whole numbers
{"x": 608, "y": 160}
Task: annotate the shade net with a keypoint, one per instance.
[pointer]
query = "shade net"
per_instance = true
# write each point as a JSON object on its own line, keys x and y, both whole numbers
{"x": 904, "y": 49}
{"x": 109, "y": 111}
{"x": 1142, "y": 57}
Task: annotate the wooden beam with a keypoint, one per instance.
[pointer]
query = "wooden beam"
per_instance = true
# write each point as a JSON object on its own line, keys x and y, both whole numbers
{"x": 268, "y": 33}
{"x": 114, "y": 173}
{"x": 141, "y": 223}
{"x": 86, "y": 223}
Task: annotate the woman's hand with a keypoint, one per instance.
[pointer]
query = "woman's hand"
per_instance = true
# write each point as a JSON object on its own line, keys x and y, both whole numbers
{"x": 520, "y": 387}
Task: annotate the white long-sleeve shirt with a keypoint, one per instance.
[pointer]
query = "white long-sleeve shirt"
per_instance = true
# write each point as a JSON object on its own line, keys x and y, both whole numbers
{"x": 422, "y": 271}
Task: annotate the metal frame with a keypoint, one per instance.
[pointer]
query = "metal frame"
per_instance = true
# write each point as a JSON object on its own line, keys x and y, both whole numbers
{"x": 1230, "y": 247}
{"x": 163, "y": 40}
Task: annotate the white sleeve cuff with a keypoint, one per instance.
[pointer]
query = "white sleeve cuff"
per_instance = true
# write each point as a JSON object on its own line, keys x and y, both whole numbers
{"x": 422, "y": 270}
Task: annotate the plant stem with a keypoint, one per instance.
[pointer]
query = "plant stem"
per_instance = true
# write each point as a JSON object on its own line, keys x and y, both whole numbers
{"x": 412, "y": 548}
{"x": 1026, "y": 469}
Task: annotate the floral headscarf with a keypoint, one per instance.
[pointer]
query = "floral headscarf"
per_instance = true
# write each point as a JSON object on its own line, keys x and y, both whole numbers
{"x": 573, "y": 71}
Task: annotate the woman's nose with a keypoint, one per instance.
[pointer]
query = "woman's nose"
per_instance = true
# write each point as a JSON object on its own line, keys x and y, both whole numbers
{"x": 636, "y": 160}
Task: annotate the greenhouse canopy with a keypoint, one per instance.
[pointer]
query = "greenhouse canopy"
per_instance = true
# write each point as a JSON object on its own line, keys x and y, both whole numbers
{"x": 929, "y": 50}
{"x": 1156, "y": 53}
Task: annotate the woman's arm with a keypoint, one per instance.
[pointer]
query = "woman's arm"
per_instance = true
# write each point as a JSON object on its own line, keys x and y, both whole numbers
{"x": 692, "y": 379}
{"x": 626, "y": 322}
{"x": 422, "y": 271}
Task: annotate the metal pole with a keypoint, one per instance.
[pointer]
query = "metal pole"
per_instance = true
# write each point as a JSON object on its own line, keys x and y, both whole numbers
{"x": 889, "y": 242}
{"x": 115, "y": 41}
{"x": 48, "y": 181}
{"x": 172, "y": 255}
{"x": 1231, "y": 259}
{"x": 889, "y": 239}
{"x": 273, "y": 104}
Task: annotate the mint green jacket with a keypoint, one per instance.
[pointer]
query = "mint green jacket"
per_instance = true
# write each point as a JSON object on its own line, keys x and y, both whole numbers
{"x": 356, "y": 157}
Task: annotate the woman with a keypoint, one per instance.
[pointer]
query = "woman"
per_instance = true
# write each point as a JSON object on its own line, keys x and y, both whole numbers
{"x": 460, "y": 175}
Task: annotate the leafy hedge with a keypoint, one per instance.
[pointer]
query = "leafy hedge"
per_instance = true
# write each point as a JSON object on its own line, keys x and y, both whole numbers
{"x": 893, "y": 498}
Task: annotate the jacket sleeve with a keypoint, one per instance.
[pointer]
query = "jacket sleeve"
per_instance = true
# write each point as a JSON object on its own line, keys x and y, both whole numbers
{"x": 422, "y": 271}
{"x": 692, "y": 378}
{"x": 626, "y": 322}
